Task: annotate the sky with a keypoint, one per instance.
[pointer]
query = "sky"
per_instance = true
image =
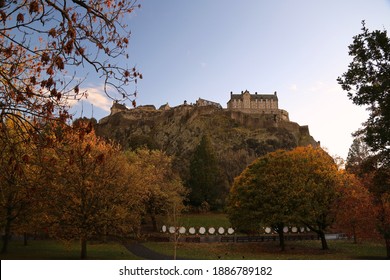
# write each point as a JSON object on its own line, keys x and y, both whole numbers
{"x": 187, "y": 50}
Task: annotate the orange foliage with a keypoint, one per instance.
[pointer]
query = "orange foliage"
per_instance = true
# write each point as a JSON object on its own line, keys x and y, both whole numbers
{"x": 49, "y": 39}
{"x": 284, "y": 188}
{"x": 88, "y": 194}
{"x": 356, "y": 211}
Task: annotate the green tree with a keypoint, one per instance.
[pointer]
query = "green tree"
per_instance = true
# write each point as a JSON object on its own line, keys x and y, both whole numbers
{"x": 358, "y": 153}
{"x": 284, "y": 188}
{"x": 367, "y": 82}
{"x": 205, "y": 177}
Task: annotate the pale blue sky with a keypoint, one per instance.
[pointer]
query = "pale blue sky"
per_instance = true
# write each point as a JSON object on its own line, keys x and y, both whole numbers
{"x": 207, "y": 48}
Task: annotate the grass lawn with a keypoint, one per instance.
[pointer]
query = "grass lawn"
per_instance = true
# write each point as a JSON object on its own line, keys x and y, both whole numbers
{"x": 339, "y": 249}
{"x": 55, "y": 250}
{"x": 295, "y": 250}
{"x": 206, "y": 220}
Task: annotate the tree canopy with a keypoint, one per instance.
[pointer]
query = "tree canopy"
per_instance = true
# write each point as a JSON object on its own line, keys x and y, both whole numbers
{"x": 87, "y": 191}
{"x": 19, "y": 175}
{"x": 44, "y": 44}
{"x": 367, "y": 82}
{"x": 80, "y": 187}
{"x": 356, "y": 210}
{"x": 205, "y": 182}
{"x": 297, "y": 187}
{"x": 162, "y": 189}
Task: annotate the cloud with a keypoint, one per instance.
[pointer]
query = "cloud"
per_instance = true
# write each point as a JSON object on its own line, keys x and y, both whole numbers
{"x": 97, "y": 97}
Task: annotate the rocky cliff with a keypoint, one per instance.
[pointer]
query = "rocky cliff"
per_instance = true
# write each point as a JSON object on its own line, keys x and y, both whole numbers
{"x": 238, "y": 138}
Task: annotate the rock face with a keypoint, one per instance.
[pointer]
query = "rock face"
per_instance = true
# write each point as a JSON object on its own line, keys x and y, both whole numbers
{"x": 237, "y": 137}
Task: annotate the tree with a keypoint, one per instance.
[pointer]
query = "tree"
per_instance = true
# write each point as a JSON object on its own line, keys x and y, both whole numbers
{"x": 284, "y": 188}
{"x": 358, "y": 153}
{"x": 374, "y": 173}
{"x": 44, "y": 42}
{"x": 380, "y": 188}
{"x": 264, "y": 196}
{"x": 162, "y": 190}
{"x": 88, "y": 193}
{"x": 356, "y": 210}
{"x": 367, "y": 82}
{"x": 205, "y": 177}
{"x": 319, "y": 181}
{"x": 19, "y": 176}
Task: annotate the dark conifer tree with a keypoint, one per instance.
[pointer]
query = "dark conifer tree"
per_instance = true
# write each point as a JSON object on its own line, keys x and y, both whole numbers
{"x": 205, "y": 177}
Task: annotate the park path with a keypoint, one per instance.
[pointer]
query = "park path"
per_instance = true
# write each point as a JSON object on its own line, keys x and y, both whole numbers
{"x": 145, "y": 253}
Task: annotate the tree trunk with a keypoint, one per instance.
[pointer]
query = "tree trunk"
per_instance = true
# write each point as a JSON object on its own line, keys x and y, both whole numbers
{"x": 25, "y": 238}
{"x": 323, "y": 241}
{"x": 175, "y": 248}
{"x": 354, "y": 234}
{"x": 105, "y": 233}
{"x": 388, "y": 247}
{"x": 83, "y": 255}
{"x": 154, "y": 222}
{"x": 6, "y": 236}
{"x": 281, "y": 239}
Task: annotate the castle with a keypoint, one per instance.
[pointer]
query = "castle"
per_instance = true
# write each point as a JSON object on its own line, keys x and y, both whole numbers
{"x": 254, "y": 111}
{"x": 266, "y": 104}
{"x": 247, "y": 103}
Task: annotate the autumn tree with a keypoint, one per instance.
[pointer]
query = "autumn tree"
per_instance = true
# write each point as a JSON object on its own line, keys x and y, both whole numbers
{"x": 356, "y": 211}
{"x": 285, "y": 188}
{"x": 88, "y": 193}
{"x": 44, "y": 44}
{"x": 261, "y": 197}
{"x": 319, "y": 179}
{"x": 19, "y": 176}
{"x": 379, "y": 186}
{"x": 162, "y": 190}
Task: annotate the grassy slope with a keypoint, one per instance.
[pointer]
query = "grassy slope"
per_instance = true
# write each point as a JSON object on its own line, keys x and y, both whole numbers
{"x": 205, "y": 220}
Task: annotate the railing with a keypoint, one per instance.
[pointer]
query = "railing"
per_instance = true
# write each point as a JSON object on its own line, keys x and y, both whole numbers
{"x": 212, "y": 234}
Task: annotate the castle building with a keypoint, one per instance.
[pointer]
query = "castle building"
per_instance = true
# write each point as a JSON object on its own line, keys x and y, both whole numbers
{"x": 259, "y": 106}
{"x": 204, "y": 102}
{"x": 256, "y": 104}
